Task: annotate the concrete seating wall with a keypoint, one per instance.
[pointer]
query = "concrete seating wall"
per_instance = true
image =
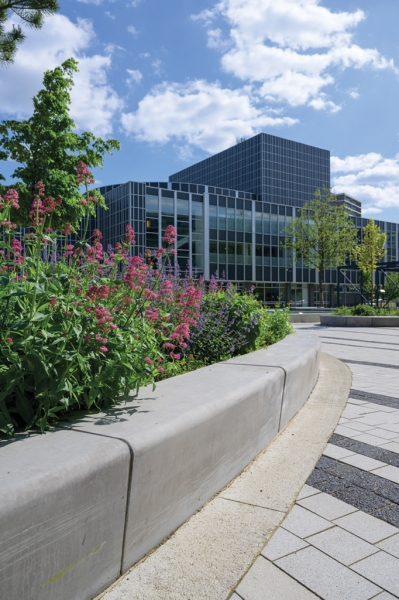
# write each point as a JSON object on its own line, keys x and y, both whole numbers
{"x": 342, "y": 321}
{"x": 80, "y": 505}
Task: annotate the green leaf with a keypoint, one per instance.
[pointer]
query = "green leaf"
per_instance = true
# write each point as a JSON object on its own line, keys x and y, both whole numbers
{"x": 24, "y": 407}
{"x": 4, "y": 280}
{"x": 19, "y": 325}
{"x": 38, "y": 316}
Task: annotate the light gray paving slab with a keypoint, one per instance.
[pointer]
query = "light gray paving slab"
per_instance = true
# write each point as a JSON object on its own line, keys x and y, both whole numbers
{"x": 307, "y": 491}
{"x": 382, "y": 569}
{"x": 393, "y": 446}
{"x": 377, "y": 419}
{"x": 346, "y": 431}
{"x": 361, "y": 427}
{"x": 384, "y": 433}
{"x": 327, "y": 577}
{"x": 265, "y": 581}
{"x": 354, "y": 401}
{"x": 390, "y": 545}
{"x": 302, "y": 522}
{"x": 368, "y": 438}
{"x": 388, "y": 472}
{"x": 327, "y": 506}
{"x": 384, "y": 596}
{"x": 391, "y": 427}
{"x": 282, "y": 543}
{"x": 363, "y": 462}
{"x": 345, "y": 547}
{"x": 235, "y": 597}
{"x": 337, "y": 451}
{"x": 366, "y": 527}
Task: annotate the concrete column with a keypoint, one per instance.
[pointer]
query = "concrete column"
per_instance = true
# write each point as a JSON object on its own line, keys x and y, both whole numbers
{"x": 288, "y": 292}
{"x": 332, "y": 295}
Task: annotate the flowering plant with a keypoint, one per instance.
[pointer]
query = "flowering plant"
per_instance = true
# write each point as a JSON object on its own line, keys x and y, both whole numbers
{"x": 81, "y": 327}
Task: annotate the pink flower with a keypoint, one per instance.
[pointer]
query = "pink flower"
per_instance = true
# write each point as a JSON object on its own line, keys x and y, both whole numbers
{"x": 87, "y": 337}
{"x": 103, "y": 349}
{"x": 11, "y": 198}
{"x": 67, "y": 229}
{"x": 175, "y": 356}
{"x": 168, "y": 346}
{"x": 130, "y": 235}
{"x": 161, "y": 369}
{"x": 170, "y": 235}
{"x": 148, "y": 360}
{"x": 9, "y": 340}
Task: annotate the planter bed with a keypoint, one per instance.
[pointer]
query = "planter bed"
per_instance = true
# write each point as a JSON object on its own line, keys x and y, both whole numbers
{"x": 81, "y": 504}
{"x": 350, "y": 321}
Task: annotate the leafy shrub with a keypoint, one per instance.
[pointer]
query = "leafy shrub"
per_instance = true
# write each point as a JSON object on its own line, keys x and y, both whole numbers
{"x": 365, "y": 310}
{"x": 80, "y": 330}
{"x": 274, "y": 326}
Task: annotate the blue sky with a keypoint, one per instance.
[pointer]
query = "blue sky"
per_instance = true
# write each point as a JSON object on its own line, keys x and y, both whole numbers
{"x": 178, "y": 81}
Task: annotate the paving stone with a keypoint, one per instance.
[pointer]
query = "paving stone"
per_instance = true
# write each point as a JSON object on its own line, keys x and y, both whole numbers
{"x": 391, "y": 545}
{"x": 327, "y": 506}
{"x": 302, "y": 522}
{"x": 373, "y": 483}
{"x": 362, "y": 462}
{"x": 336, "y": 452}
{"x": 307, "y": 491}
{"x": 346, "y": 431}
{"x": 377, "y": 419}
{"x": 368, "y": 438}
{"x": 332, "y": 486}
{"x": 366, "y": 527}
{"x": 282, "y": 543}
{"x": 318, "y": 476}
{"x": 384, "y": 433}
{"x": 382, "y": 569}
{"x": 345, "y": 547}
{"x": 378, "y": 452}
{"x": 391, "y": 427}
{"x": 265, "y": 581}
{"x": 388, "y": 472}
{"x": 361, "y": 427}
{"x": 390, "y": 514}
{"x": 385, "y": 596}
{"x": 392, "y": 447}
{"x": 362, "y": 499}
{"x": 235, "y": 597}
{"x": 341, "y": 440}
{"x": 326, "y": 577}
{"x": 334, "y": 467}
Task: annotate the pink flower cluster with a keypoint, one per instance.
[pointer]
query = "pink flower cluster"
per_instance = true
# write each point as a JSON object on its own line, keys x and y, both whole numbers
{"x": 170, "y": 235}
{"x": 83, "y": 174}
{"x": 10, "y": 199}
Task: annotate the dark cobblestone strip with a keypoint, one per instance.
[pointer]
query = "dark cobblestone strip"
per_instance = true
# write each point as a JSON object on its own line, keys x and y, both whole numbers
{"x": 391, "y": 458}
{"x": 330, "y": 337}
{"x": 357, "y": 346}
{"x": 363, "y": 362}
{"x": 376, "y": 398}
{"x": 372, "y": 494}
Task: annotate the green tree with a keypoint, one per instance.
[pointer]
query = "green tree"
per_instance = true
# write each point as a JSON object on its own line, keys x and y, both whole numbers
{"x": 322, "y": 235}
{"x": 31, "y": 12}
{"x": 48, "y": 148}
{"x": 392, "y": 287}
{"x": 370, "y": 251}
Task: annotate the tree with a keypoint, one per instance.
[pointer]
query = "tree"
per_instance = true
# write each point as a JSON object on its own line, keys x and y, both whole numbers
{"x": 370, "y": 251}
{"x": 48, "y": 148}
{"x": 391, "y": 286}
{"x": 322, "y": 235}
{"x": 31, "y": 12}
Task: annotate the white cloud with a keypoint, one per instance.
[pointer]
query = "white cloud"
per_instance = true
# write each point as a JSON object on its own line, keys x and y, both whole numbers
{"x": 131, "y": 29}
{"x": 94, "y": 101}
{"x": 291, "y": 48}
{"x": 134, "y": 76}
{"x": 109, "y": 15}
{"x": 156, "y": 65}
{"x": 199, "y": 114}
{"x": 97, "y": 2}
{"x": 370, "y": 178}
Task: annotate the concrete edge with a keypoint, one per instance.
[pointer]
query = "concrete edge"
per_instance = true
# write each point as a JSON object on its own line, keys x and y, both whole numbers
{"x": 360, "y": 321}
{"x": 206, "y": 558}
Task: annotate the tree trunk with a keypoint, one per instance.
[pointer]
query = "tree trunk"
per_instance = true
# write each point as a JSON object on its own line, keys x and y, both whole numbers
{"x": 321, "y": 288}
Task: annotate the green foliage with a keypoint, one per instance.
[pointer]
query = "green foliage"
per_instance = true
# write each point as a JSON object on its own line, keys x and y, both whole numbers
{"x": 371, "y": 251}
{"x": 228, "y": 325}
{"x": 274, "y": 326}
{"x": 31, "y": 12}
{"x": 47, "y": 148}
{"x": 364, "y": 310}
{"x": 392, "y": 286}
{"x": 322, "y": 235}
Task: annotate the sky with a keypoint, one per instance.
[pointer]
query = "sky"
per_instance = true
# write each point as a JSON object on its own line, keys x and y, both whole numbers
{"x": 175, "y": 82}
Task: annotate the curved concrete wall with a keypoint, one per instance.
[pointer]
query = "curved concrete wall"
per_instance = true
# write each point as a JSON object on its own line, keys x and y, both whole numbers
{"x": 342, "y": 321}
{"x": 82, "y": 504}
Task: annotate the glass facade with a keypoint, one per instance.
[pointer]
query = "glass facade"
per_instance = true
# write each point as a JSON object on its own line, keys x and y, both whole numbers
{"x": 238, "y": 233}
{"x": 272, "y": 168}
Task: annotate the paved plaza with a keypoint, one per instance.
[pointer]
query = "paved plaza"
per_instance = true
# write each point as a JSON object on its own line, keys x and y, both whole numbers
{"x": 340, "y": 541}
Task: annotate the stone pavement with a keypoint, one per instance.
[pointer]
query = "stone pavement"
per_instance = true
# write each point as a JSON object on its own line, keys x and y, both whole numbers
{"x": 340, "y": 541}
